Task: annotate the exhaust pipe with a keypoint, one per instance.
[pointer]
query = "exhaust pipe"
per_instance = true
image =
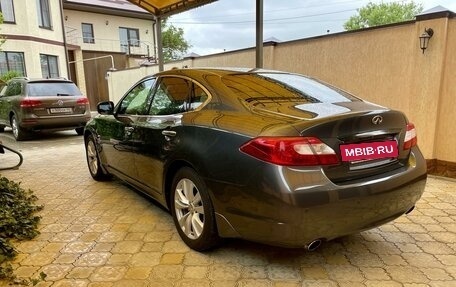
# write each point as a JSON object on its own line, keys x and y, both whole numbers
{"x": 313, "y": 245}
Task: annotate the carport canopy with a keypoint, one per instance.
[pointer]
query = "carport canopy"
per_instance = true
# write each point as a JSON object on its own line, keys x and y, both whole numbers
{"x": 165, "y": 8}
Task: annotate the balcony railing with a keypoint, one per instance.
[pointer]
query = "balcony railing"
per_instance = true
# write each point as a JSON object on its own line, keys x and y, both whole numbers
{"x": 135, "y": 47}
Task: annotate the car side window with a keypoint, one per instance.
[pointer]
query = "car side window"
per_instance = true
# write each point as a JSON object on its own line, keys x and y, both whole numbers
{"x": 13, "y": 89}
{"x": 171, "y": 97}
{"x": 137, "y": 101}
{"x": 198, "y": 97}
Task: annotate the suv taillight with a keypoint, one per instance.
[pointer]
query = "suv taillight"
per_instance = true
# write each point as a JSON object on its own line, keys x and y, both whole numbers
{"x": 410, "y": 136}
{"x": 291, "y": 151}
{"x": 82, "y": 101}
{"x": 30, "y": 103}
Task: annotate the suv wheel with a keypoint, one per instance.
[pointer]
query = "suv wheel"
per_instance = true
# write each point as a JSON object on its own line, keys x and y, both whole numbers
{"x": 18, "y": 133}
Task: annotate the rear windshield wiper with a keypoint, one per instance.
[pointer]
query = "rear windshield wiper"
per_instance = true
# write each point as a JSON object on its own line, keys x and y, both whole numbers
{"x": 63, "y": 95}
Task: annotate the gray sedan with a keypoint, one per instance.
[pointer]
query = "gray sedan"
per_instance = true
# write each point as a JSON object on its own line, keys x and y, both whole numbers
{"x": 267, "y": 156}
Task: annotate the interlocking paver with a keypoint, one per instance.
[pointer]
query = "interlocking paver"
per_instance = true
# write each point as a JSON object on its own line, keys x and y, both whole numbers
{"x": 104, "y": 234}
{"x": 172, "y": 258}
{"x": 167, "y": 272}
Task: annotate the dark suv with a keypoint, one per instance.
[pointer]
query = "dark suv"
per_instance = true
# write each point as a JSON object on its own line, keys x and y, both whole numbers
{"x": 29, "y": 105}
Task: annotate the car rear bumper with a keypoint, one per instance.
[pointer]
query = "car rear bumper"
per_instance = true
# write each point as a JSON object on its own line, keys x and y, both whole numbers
{"x": 306, "y": 205}
{"x": 55, "y": 123}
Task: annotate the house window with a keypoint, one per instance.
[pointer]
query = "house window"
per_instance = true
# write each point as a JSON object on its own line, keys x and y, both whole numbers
{"x": 87, "y": 33}
{"x": 128, "y": 37}
{"x": 49, "y": 66}
{"x": 7, "y": 9}
{"x": 12, "y": 61}
{"x": 44, "y": 15}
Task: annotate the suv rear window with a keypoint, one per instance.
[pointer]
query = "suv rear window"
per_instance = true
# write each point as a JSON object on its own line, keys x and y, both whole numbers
{"x": 53, "y": 89}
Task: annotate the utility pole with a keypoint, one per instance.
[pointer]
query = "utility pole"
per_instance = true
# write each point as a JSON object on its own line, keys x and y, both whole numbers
{"x": 259, "y": 33}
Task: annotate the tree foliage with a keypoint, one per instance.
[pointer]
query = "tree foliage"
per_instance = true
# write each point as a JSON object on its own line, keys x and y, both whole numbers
{"x": 174, "y": 44}
{"x": 9, "y": 75}
{"x": 384, "y": 13}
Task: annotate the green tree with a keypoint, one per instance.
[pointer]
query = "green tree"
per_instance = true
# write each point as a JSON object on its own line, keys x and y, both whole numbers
{"x": 174, "y": 44}
{"x": 384, "y": 13}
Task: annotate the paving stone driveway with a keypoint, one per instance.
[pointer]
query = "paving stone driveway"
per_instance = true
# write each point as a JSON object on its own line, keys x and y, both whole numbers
{"x": 106, "y": 234}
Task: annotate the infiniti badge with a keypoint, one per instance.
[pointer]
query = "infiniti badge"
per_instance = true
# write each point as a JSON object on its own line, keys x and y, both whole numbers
{"x": 377, "y": 120}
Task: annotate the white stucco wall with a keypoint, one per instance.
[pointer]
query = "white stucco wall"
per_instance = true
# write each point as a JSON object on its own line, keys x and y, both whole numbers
{"x": 27, "y": 24}
{"x": 120, "y": 81}
{"x": 106, "y": 31}
{"x": 32, "y": 51}
{"x": 38, "y": 42}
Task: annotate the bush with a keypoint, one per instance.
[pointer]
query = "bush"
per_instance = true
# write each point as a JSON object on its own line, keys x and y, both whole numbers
{"x": 17, "y": 221}
{"x": 9, "y": 75}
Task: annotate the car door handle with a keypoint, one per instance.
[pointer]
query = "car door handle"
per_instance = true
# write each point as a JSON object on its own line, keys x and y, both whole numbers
{"x": 169, "y": 133}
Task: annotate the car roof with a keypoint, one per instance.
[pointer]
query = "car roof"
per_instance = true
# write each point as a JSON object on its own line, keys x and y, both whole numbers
{"x": 219, "y": 71}
{"x": 42, "y": 80}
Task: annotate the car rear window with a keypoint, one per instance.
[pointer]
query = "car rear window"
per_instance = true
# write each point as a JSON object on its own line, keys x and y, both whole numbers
{"x": 276, "y": 86}
{"x": 53, "y": 89}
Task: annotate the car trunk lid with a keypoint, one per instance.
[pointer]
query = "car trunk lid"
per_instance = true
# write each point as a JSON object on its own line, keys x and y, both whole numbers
{"x": 367, "y": 143}
{"x": 52, "y": 106}
{"x": 49, "y": 99}
{"x": 353, "y": 130}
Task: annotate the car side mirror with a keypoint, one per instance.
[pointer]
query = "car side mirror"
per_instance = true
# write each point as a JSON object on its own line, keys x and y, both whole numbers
{"x": 105, "y": 108}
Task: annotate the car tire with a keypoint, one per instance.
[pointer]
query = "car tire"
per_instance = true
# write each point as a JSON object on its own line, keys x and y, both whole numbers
{"x": 192, "y": 211}
{"x": 18, "y": 132}
{"x": 93, "y": 160}
{"x": 79, "y": 131}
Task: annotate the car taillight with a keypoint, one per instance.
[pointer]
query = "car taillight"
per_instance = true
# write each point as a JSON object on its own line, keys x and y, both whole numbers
{"x": 82, "y": 101}
{"x": 291, "y": 151}
{"x": 410, "y": 136}
{"x": 29, "y": 103}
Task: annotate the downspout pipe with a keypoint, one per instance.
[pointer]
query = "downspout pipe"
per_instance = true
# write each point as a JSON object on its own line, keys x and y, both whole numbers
{"x": 65, "y": 44}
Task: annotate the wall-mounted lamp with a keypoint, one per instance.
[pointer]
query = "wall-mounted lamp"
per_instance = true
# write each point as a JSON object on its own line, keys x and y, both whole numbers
{"x": 424, "y": 38}
{"x": 107, "y": 22}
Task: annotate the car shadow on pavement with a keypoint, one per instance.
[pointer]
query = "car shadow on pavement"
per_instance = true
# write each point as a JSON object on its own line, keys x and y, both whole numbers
{"x": 42, "y": 136}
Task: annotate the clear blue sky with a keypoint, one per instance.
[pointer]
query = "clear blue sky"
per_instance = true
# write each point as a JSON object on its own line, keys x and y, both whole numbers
{"x": 230, "y": 24}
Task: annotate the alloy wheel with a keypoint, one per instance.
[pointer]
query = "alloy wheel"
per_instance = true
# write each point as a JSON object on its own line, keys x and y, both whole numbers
{"x": 92, "y": 157}
{"x": 14, "y": 127}
{"x": 189, "y": 208}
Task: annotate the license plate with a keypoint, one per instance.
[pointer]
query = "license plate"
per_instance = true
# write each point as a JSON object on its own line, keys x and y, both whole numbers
{"x": 369, "y": 151}
{"x": 61, "y": 110}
